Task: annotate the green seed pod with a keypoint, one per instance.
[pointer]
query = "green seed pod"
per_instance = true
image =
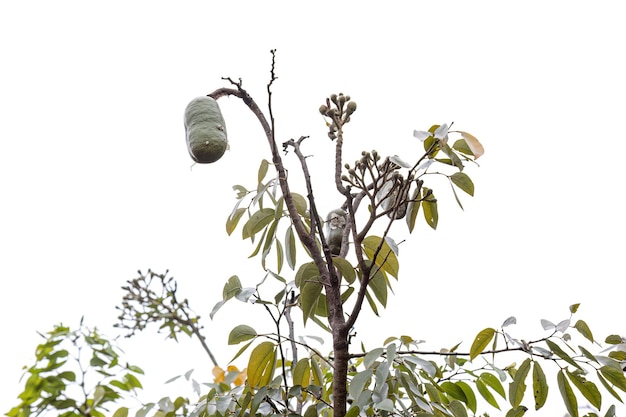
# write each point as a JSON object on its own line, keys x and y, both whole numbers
{"x": 205, "y": 130}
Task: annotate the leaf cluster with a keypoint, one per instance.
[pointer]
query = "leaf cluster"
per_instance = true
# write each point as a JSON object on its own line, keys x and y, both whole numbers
{"x": 76, "y": 373}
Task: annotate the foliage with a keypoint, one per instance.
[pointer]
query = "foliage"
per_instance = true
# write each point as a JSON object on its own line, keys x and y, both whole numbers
{"x": 76, "y": 373}
{"x": 323, "y": 272}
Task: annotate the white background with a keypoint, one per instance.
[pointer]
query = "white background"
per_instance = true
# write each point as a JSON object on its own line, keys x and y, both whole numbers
{"x": 95, "y": 178}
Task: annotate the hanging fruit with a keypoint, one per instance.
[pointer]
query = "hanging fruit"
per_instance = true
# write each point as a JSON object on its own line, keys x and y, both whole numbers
{"x": 205, "y": 130}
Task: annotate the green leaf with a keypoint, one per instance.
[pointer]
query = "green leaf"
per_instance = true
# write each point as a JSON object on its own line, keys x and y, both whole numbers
{"x": 262, "y": 170}
{"x": 261, "y": 364}
{"x": 463, "y": 181}
{"x": 569, "y": 398}
{"x": 318, "y": 376}
{"x": 614, "y": 376}
{"x": 587, "y": 388}
{"x": 385, "y": 405}
{"x": 454, "y": 158}
{"x": 588, "y": 354}
{"x": 346, "y": 294}
{"x": 240, "y": 334}
{"x": 386, "y": 259}
{"x": 614, "y": 339}
{"x": 354, "y": 411}
{"x": 231, "y": 288}
{"x": 309, "y": 296}
{"x": 461, "y": 146}
{"x": 300, "y": 203}
{"x": 470, "y": 397}
{"x": 321, "y": 308}
{"x": 371, "y": 302}
{"x": 290, "y": 247}
{"x": 429, "y": 205}
{"x": 358, "y": 382}
{"x": 456, "y": 197}
{"x": 561, "y": 354}
{"x": 233, "y": 220}
{"x": 378, "y": 284}
{"x": 412, "y": 209}
{"x": 370, "y": 357}
{"x": 279, "y": 255}
{"x": 269, "y": 239}
{"x": 306, "y": 272}
{"x": 241, "y": 191}
{"x": 517, "y": 411}
{"x": 457, "y": 409}
{"x": 425, "y": 365}
{"x": 540, "y": 386}
{"x": 121, "y": 412}
{"x": 610, "y": 412}
{"x": 481, "y": 341}
{"x": 583, "y": 329}
{"x": 68, "y": 375}
{"x": 257, "y": 222}
{"x": 574, "y": 308}
{"x": 132, "y": 381}
{"x": 486, "y": 394}
{"x": 243, "y": 349}
{"x": 608, "y": 387}
{"x": 517, "y": 388}
{"x": 258, "y": 246}
{"x": 493, "y": 382}
{"x": 345, "y": 268}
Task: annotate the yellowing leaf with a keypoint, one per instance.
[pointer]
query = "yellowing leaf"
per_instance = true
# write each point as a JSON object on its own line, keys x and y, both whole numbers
{"x": 475, "y": 146}
{"x": 241, "y": 378}
{"x": 540, "y": 387}
{"x": 261, "y": 364}
{"x": 218, "y": 374}
{"x": 386, "y": 259}
{"x": 481, "y": 341}
{"x": 302, "y": 373}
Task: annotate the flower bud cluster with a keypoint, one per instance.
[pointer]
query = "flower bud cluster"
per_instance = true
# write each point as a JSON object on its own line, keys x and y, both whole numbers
{"x": 338, "y": 112}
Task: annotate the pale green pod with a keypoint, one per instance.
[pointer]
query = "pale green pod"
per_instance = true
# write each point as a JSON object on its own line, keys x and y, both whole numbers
{"x": 205, "y": 130}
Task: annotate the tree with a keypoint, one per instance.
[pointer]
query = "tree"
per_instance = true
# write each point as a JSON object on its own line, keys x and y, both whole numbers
{"x": 351, "y": 260}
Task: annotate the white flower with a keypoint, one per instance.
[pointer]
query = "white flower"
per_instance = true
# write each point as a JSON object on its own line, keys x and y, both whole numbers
{"x": 441, "y": 133}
